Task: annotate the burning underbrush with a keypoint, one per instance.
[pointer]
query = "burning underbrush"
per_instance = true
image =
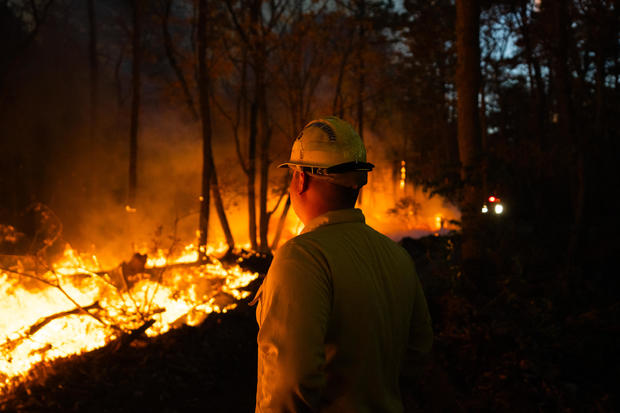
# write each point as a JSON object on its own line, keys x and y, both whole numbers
{"x": 74, "y": 306}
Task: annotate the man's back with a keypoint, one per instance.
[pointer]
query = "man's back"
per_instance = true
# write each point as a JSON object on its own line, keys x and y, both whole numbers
{"x": 335, "y": 318}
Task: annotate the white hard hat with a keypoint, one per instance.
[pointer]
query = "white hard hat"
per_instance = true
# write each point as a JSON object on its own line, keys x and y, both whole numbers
{"x": 329, "y": 146}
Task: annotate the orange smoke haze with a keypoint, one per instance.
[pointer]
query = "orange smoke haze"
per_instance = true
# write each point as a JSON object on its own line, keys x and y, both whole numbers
{"x": 166, "y": 208}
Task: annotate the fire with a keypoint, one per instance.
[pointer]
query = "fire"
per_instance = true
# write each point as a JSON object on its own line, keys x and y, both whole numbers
{"x": 403, "y": 174}
{"x": 75, "y": 307}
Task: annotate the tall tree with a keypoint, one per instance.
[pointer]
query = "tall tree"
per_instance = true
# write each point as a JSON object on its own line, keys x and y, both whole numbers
{"x": 171, "y": 54}
{"x": 205, "y": 118}
{"x": 136, "y": 41}
{"x": 468, "y": 133}
{"x": 93, "y": 63}
{"x": 93, "y": 68}
{"x": 565, "y": 119}
{"x": 361, "y": 75}
{"x": 426, "y": 95}
{"x": 257, "y": 24}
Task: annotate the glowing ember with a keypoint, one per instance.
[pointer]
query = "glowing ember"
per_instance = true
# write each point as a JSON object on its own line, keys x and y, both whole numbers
{"x": 75, "y": 307}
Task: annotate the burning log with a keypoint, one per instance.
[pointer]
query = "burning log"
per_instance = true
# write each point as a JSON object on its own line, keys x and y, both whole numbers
{"x": 9, "y": 345}
{"x": 78, "y": 310}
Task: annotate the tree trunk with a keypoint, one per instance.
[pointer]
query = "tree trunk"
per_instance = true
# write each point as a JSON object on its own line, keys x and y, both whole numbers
{"x": 361, "y": 80}
{"x": 215, "y": 188}
{"x": 536, "y": 81}
{"x": 566, "y": 127}
{"x": 205, "y": 117}
{"x": 484, "y": 141}
{"x": 281, "y": 222}
{"x": 467, "y": 86}
{"x": 338, "y": 103}
{"x": 265, "y": 138}
{"x": 135, "y": 102}
{"x": 252, "y": 175}
{"x": 94, "y": 87}
{"x": 361, "y": 85}
{"x": 219, "y": 207}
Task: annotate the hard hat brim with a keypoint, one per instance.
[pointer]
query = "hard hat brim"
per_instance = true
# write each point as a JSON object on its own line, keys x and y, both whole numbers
{"x": 334, "y": 169}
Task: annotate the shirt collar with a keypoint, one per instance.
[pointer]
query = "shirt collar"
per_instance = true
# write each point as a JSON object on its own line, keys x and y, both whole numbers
{"x": 339, "y": 216}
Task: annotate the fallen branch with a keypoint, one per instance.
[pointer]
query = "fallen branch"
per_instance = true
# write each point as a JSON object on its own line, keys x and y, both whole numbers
{"x": 127, "y": 339}
{"x": 44, "y": 321}
{"x": 59, "y": 287}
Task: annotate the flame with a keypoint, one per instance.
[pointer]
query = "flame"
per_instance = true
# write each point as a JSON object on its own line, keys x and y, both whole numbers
{"x": 171, "y": 292}
{"x": 403, "y": 174}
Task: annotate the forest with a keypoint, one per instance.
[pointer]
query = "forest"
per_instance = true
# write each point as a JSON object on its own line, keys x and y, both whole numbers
{"x": 129, "y": 127}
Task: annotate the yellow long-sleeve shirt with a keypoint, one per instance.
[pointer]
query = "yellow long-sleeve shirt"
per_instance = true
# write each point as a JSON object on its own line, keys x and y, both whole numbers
{"x": 338, "y": 310}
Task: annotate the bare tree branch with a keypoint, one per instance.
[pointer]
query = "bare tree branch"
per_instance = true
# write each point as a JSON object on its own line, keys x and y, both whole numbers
{"x": 170, "y": 53}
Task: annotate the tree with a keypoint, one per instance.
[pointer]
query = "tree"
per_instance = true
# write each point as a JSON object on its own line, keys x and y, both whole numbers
{"x": 255, "y": 24}
{"x": 93, "y": 79}
{"x": 205, "y": 118}
{"x": 467, "y": 86}
{"x": 136, "y": 43}
{"x": 171, "y": 54}
{"x": 426, "y": 75}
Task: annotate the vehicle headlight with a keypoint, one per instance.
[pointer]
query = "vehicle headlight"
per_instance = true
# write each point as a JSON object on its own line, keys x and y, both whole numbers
{"x": 485, "y": 209}
{"x": 499, "y": 208}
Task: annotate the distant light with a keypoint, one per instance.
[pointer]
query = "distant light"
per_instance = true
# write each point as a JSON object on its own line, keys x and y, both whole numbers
{"x": 491, "y": 198}
{"x": 201, "y": 198}
{"x": 499, "y": 209}
{"x": 130, "y": 209}
{"x": 485, "y": 209}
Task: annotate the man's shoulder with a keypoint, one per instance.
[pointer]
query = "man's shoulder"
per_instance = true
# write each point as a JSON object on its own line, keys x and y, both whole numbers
{"x": 378, "y": 238}
{"x": 301, "y": 246}
{"x": 298, "y": 256}
{"x": 342, "y": 235}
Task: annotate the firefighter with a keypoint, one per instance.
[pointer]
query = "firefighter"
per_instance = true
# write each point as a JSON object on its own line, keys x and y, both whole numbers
{"x": 341, "y": 306}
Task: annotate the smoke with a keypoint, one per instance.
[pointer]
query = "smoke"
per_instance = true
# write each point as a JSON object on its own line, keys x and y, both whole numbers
{"x": 49, "y": 156}
{"x": 400, "y": 211}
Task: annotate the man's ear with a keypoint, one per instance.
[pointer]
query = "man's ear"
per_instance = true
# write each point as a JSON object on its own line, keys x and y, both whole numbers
{"x": 302, "y": 182}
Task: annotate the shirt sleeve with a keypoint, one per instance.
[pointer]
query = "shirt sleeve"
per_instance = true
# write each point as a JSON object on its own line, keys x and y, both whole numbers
{"x": 293, "y": 313}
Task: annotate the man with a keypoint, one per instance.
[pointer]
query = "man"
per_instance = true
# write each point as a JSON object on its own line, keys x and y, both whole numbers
{"x": 341, "y": 302}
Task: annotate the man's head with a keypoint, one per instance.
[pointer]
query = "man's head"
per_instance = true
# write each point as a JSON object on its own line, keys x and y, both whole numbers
{"x": 329, "y": 166}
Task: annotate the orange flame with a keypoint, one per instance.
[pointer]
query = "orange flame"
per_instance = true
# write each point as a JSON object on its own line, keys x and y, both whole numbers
{"x": 175, "y": 295}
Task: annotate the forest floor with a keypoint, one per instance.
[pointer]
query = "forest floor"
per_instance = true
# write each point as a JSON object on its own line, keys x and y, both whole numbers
{"x": 524, "y": 335}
